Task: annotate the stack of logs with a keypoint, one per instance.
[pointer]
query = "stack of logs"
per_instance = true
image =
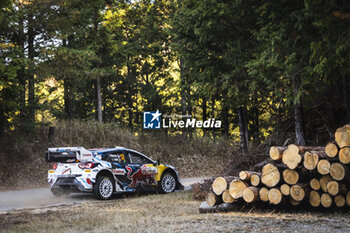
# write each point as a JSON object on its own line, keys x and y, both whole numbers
{"x": 315, "y": 176}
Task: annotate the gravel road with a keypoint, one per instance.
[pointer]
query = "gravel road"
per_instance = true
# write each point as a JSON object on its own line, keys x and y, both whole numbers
{"x": 42, "y": 197}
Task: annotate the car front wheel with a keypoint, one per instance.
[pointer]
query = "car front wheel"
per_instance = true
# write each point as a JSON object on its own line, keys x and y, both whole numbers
{"x": 167, "y": 183}
{"x": 103, "y": 188}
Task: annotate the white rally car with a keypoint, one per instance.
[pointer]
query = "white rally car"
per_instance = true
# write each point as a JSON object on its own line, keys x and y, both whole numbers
{"x": 106, "y": 171}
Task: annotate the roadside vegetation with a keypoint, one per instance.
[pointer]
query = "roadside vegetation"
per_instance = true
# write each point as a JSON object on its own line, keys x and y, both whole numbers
{"x": 24, "y": 166}
{"x": 151, "y": 214}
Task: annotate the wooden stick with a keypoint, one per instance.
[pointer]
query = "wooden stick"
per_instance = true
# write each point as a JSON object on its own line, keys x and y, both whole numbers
{"x": 251, "y": 194}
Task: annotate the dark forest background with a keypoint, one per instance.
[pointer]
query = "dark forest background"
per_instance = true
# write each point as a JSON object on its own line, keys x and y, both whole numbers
{"x": 273, "y": 71}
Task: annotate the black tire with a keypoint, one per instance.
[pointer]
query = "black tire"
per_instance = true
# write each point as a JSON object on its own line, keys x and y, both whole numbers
{"x": 167, "y": 183}
{"x": 103, "y": 188}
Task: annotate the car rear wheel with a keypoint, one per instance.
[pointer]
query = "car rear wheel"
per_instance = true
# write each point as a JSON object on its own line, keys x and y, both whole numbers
{"x": 103, "y": 188}
{"x": 167, "y": 183}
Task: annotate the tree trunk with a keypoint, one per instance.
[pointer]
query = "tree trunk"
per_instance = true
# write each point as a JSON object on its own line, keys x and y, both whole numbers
{"x": 99, "y": 100}
{"x": 68, "y": 99}
{"x": 345, "y": 87}
{"x": 213, "y": 115}
{"x": 256, "y": 124}
{"x": 243, "y": 129}
{"x": 298, "y": 113}
{"x": 225, "y": 119}
{"x": 185, "y": 98}
{"x": 204, "y": 114}
{"x": 21, "y": 72}
{"x": 31, "y": 81}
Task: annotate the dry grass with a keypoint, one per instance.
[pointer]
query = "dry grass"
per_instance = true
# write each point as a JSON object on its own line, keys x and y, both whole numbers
{"x": 23, "y": 163}
{"x": 175, "y": 212}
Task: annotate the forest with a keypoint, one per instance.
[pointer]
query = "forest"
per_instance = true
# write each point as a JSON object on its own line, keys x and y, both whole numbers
{"x": 275, "y": 70}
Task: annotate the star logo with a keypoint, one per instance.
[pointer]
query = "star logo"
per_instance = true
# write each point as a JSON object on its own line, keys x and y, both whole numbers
{"x": 151, "y": 120}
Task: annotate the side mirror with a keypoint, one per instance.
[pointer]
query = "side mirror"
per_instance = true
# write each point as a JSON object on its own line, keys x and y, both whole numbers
{"x": 158, "y": 161}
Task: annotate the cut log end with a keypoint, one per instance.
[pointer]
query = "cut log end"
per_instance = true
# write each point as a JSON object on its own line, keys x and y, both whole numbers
{"x": 314, "y": 199}
{"x": 290, "y": 176}
{"x": 297, "y": 192}
{"x": 275, "y": 196}
{"x": 337, "y": 171}
{"x": 263, "y": 194}
{"x": 315, "y": 184}
{"x": 291, "y": 156}
{"x": 323, "y": 167}
{"x": 348, "y": 198}
{"x": 270, "y": 175}
{"x": 333, "y": 187}
{"x": 285, "y": 189}
{"x": 212, "y": 199}
{"x": 226, "y": 197}
{"x": 344, "y": 155}
{"x": 331, "y": 149}
{"x": 294, "y": 202}
{"x": 310, "y": 160}
{"x": 236, "y": 188}
{"x": 250, "y": 194}
{"x": 326, "y": 200}
{"x": 255, "y": 180}
{"x": 342, "y": 136}
{"x": 323, "y": 182}
{"x": 276, "y": 152}
{"x": 339, "y": 200}
{"x": 243, "y": 175}
{"x": 219, "y": 185}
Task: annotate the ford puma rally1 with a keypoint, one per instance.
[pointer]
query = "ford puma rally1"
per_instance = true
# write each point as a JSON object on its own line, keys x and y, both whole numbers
{"x": 107, "y": 171}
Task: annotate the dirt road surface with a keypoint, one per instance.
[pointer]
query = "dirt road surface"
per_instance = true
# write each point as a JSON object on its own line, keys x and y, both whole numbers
{"x": 42, "y": 197}
{"x": 176, "y": 212}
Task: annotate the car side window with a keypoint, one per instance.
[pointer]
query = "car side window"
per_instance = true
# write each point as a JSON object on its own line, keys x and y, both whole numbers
{"x": 116, "y": 157}
{"x": 137, "y": 158}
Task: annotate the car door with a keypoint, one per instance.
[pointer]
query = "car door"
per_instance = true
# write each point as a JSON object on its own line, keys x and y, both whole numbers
{"x": 119, "y": 159}
{"x": 141, "y": 172}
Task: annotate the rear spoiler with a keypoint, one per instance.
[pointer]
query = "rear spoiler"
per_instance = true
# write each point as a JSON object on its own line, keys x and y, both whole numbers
{"x": 67, "y": 154}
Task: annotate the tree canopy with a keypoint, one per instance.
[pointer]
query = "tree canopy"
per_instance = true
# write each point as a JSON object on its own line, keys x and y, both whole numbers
{"x": 268, "y": 69}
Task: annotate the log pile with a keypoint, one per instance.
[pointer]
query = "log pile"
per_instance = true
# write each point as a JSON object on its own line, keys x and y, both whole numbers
{"x": 318, "y": 177}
